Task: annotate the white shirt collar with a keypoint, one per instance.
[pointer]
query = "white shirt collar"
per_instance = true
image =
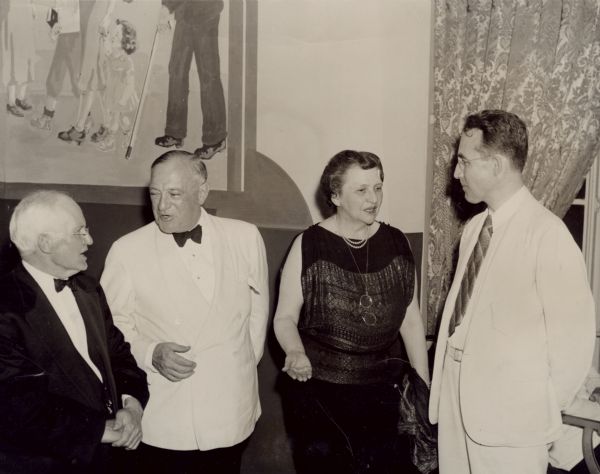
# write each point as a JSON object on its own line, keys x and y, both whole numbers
{"x": 45, "y": 280}
{"x": 509, "y": 207}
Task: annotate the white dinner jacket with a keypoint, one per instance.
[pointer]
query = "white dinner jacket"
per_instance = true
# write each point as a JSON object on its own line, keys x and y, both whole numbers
{"x": 531, "y": 334}
{"x": 153, "y": 299}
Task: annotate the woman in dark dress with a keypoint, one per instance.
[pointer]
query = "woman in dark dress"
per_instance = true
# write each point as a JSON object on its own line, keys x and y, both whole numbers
{"x": 348, "y": 289}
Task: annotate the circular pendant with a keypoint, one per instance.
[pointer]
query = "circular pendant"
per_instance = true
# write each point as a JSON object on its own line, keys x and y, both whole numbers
{"x": 365, "y": 301}
{"x": 369, "y": 319}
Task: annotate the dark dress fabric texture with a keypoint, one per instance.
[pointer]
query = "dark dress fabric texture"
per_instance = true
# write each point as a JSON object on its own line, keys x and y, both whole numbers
{"x": 348, "y": 343}
{"x": 345, "y": 419}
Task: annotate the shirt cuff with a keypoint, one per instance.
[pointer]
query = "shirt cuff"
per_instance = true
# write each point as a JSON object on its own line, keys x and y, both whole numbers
{"x": 148, "y": 358}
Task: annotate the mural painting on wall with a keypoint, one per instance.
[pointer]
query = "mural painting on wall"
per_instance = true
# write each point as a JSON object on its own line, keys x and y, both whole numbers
{"x": 97, "y": 89}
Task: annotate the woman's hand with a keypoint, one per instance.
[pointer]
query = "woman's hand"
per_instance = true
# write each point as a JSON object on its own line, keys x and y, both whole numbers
{"x": 298, "y": 366}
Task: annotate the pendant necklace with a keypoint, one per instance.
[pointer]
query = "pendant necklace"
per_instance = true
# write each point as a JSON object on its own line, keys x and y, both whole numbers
{"x": 365, "y": 302}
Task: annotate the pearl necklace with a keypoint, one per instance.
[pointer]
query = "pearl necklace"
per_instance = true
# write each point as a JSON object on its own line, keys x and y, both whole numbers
{"x": 355, "y": 243}
{"x": 365, "y": 302}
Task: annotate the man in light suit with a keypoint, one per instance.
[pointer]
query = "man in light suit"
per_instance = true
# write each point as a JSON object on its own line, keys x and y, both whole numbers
{"x": 516, "y": 337}
{"x": 69, "y": 386}
{"x": 190, "y": 293}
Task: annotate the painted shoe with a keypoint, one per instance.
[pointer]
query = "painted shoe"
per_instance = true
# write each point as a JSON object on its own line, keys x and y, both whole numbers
{"x": 206, "y": 152}
{"x": 23, "y": 104}
{"x": 100, "y": 134}
{"x": 72, "y": 136}
{"x": 14, "y": 110}
{"x": 107, "y": 143}
{"x": 43, "y": 122}
{"x": 168, "y": 141}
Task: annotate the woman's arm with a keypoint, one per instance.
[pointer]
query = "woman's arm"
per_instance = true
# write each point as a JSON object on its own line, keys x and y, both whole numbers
{"x": 413, "y": 336}
{"x": 106, "y": 20}
{"x": 287, "y": 314}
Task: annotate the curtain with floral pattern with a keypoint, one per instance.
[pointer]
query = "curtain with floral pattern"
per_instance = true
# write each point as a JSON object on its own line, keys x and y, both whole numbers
{"x": 537, "y": 58}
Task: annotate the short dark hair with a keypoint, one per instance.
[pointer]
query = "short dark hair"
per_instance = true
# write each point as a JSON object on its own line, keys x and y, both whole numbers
{"x": 129, "y": 38}
{"x": 501, "y": 131}
{"x": 197, "y": 163}
{"x": 333, "y": 174}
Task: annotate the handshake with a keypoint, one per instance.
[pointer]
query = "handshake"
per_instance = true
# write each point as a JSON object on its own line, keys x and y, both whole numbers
{"x": 125, "y": 429}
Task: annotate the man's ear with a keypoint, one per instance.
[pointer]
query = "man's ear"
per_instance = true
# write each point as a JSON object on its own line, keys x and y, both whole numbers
{"x": 45, "y": 243}
{"x": 203, "y": 191}
{"x": 500, "y": 164}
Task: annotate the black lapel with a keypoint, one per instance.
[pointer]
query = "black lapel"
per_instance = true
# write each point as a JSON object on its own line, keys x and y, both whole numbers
{"x": 93, "y": 319}
{"x": 52, "y": 335}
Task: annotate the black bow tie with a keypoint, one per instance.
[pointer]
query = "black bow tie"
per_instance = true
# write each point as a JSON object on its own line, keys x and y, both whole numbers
{"x": 59, "y": 284}
{"x": 195, "y": 234}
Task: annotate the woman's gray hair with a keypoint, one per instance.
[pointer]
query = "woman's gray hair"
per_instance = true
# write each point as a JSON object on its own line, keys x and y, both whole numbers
{"x": 35, "y": 215}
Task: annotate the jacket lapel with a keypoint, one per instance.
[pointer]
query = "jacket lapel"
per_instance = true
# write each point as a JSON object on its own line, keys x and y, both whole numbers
{"x": 56, "y": 342}
{"x": 93, "y": 320}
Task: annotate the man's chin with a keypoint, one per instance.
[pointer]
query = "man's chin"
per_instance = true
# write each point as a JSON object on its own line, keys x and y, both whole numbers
{"x": 165, "y": 228}
{"x": 471, "y": 199}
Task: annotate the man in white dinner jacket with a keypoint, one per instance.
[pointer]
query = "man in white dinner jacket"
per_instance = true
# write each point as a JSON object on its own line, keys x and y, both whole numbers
{"x": 189, "y": 291}
{"x": 517, "y": 332}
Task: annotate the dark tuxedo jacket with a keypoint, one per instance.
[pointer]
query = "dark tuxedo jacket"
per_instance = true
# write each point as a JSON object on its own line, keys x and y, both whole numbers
{"x": 53, "y": 406}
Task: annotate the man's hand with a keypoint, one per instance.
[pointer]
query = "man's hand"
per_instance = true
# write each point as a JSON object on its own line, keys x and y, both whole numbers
{"x": 129, "y": 422}
{"x": 298, "y": 366}
{"x": 170, "y": 364}
{"x": 110, "y": 435}
{"x": 595, "y": 396}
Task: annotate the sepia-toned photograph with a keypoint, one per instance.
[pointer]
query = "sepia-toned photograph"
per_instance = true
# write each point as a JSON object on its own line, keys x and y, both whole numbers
{"x": 300, "y": 236}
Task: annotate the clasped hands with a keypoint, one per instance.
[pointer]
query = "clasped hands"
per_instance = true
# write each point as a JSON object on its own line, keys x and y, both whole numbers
{"x": 125, "y": 429}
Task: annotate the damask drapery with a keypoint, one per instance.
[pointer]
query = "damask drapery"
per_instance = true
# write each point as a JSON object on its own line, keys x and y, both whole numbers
{"x": 537, "y": 58}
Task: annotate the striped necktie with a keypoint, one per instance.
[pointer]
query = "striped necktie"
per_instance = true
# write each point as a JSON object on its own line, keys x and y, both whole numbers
{"x": 470, "y": 275}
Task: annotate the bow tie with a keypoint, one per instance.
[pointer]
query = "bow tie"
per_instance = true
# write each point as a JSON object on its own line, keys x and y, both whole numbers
{"x": 195, "y": 234}
{"x": 59, "y": 284}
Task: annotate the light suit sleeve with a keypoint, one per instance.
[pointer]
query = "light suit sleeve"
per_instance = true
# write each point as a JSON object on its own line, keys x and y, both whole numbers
{"x": 120, "y": 293}
{"x": 569, "y": 312}
{"x": 259, "y": 286}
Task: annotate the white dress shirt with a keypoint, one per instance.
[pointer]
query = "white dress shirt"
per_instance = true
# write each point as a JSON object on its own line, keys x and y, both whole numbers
{"x": 199, "y": 260}
{"x": 499, "y": 219}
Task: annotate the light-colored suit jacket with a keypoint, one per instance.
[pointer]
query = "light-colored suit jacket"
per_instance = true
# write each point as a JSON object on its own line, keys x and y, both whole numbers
{"x": 154, "y": 299}
{"x": 531, "y": 334}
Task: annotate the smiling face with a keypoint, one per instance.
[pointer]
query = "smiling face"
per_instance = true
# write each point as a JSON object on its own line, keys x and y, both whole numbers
{"x": 474, "y": 169}
{"x": 177, "y": 193}
{"x": 360, "y": 195}
{"x": 68, "y": 241}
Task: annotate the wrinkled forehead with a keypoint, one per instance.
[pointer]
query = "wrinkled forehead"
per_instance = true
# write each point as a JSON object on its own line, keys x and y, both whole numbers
{"x": 174, "y": 174}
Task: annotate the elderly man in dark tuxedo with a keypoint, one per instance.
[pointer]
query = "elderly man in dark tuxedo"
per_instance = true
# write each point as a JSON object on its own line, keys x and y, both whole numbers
{"x": 69, "y": 386}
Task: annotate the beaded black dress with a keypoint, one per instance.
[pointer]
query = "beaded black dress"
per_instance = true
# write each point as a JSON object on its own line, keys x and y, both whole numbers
{"x": 354, "y": 304}
{"x": 345, "y": 418}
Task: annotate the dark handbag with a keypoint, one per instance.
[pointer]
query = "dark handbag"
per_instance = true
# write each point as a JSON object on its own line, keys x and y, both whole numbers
{"x": 414, "y": 421}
